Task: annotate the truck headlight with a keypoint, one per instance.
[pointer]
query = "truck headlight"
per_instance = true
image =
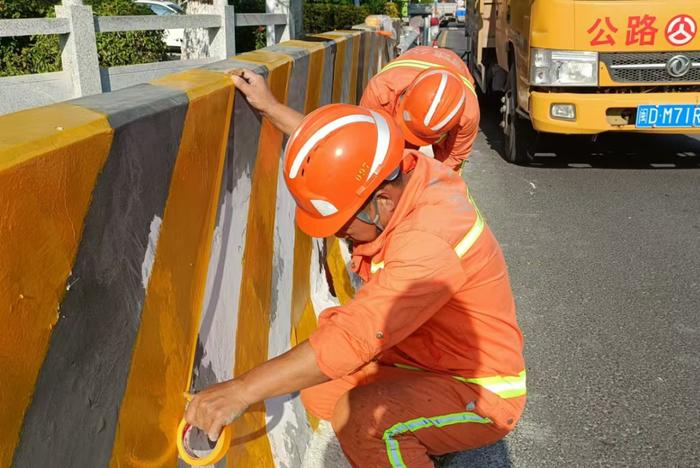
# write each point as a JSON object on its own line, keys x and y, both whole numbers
{"x": 563, "y": 68}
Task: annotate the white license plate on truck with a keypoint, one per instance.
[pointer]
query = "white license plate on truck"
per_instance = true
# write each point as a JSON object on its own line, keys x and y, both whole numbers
{"x": 668, "y": 116}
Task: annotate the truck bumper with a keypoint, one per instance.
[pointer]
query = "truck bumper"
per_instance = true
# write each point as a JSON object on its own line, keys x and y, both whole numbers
{"x": 598, "y": 113}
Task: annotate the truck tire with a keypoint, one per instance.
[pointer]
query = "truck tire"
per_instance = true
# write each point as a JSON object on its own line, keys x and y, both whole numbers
{"x": 518, "y": 135}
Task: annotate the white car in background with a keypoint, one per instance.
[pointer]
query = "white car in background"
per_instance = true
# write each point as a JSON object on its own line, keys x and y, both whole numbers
{"x": 173, "y": 37}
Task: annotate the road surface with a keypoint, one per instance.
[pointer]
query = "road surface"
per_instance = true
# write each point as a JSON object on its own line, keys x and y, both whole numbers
{"x": 603, "y": 246}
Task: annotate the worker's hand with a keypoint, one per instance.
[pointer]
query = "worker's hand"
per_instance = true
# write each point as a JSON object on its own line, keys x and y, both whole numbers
{"x": 255, "y": 89}
{"x": 215, "y": 407}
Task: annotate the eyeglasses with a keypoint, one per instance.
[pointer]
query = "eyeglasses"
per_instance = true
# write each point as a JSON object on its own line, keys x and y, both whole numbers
{"x": 362, "y": 214}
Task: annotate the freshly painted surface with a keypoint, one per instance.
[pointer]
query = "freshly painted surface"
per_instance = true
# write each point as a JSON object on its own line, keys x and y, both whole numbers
{"x": 164, "y": 349}
{"x": 89, "y": 355}
{"x": 49, "y": 161}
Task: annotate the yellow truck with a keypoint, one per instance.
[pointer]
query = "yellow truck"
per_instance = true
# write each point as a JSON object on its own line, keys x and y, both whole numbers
{"x": 586, "y": 66}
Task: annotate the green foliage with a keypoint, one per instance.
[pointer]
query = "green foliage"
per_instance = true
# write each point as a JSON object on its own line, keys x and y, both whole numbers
{"x": 131, "y": 47}
{"x": 322, "y": 17}
{"x": 28, "y": 54}
{"x": 249, "y": 37}
{"x": 41, "y": 54}
{"x": 260, "y": 37}
{"x": 393, "y": 10}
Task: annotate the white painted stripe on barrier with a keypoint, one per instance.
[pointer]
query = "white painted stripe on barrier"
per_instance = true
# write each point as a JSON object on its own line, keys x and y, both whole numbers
{"x": 289, "y": 432}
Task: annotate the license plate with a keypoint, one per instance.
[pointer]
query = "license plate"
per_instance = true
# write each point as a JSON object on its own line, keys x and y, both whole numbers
{"x": 668, "y": 116}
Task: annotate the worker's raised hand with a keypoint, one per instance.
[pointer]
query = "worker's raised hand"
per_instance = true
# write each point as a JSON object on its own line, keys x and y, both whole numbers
{"x": 256, "y": 90}
{"x": 215, "y": 407}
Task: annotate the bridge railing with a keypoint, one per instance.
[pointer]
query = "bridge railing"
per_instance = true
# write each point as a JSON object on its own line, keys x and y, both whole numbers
{"x": 81, "y": 74}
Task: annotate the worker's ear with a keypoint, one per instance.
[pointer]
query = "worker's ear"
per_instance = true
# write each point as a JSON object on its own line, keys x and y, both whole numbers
{"x": 385, "y": 202}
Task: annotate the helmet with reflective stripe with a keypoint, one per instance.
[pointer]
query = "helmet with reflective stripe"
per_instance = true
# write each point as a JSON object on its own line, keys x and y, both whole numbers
{"x": 335, "y": 160}
{"x": 431, "y": 106}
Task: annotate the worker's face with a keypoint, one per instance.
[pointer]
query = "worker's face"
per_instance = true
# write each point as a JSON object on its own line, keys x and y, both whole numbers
{"x": 358, "y": 232}
{"x": 360, "y": 229}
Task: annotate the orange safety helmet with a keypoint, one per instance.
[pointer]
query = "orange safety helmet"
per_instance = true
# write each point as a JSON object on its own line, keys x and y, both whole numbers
{"x": 431, "y": 106}
{"x": 335, "y": 160}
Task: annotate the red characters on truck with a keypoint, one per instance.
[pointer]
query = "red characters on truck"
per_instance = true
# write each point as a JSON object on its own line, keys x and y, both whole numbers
{"x": 642, "y": 30}
{"x": 603, "y": 35}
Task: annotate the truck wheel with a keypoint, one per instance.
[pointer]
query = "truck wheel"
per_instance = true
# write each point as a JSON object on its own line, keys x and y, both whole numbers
{"x": 518, "y": 135}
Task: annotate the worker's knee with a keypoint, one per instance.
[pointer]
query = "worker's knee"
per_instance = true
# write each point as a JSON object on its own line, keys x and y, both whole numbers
{"x": 357, "y": 414}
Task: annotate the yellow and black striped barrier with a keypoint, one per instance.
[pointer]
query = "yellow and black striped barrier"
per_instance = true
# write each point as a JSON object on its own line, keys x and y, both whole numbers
{"x": 150, "y": 228}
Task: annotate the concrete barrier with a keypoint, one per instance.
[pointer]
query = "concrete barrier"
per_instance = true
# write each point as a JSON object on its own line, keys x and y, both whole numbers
{"x": 148, "y": 229}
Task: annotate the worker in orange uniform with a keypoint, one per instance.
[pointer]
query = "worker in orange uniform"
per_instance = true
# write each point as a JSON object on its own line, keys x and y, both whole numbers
{"x": 426, "y": 359}
{"x": 429, "y": 91}
{"x": 431, "y": 95}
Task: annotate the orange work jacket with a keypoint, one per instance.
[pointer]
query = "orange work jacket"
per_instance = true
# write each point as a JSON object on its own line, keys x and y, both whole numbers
{"x": 436, "y": 296}
{"x": 385, "y": 88}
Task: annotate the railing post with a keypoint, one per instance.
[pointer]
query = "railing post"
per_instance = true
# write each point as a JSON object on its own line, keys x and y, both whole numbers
{"x": 279, "y": 32}
{"x": 222, "y": 40}
{"x": 79, "y": 48}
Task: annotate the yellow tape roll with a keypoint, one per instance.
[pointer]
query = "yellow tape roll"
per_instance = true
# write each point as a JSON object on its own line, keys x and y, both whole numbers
{"x": 219, "y": 451}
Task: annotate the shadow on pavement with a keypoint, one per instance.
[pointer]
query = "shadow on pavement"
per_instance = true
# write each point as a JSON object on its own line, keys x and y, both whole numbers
{"x": 610, "y": 151}
{"x": 493, "y": 456}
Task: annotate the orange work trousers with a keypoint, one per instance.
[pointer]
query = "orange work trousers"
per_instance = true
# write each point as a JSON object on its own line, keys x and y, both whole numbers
{"x": 385, "y": 416}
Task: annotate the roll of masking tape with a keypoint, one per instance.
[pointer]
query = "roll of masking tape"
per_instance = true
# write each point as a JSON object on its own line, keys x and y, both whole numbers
{"x": 188, "y": 455}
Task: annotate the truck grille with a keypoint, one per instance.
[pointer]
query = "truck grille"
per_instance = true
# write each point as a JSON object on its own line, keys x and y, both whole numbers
{"x": 648, "y": 67}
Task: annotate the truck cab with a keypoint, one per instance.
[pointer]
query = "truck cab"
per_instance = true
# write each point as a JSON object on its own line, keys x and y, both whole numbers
{"x": 587, "y": 66}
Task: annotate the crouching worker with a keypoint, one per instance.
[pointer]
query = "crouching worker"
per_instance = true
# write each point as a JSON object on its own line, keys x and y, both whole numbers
{"x": 427, "y": 358}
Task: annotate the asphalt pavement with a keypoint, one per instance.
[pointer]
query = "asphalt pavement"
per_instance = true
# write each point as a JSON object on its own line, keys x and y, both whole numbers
{"x": 603, "y": 246}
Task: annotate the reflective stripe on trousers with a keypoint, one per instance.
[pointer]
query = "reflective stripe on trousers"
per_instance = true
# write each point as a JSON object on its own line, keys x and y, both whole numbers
{"x": 505, "y": 386}
{"x": 424, "y": 66}
{"x": 463, "y": 246}
{"x": 393, "y": 450}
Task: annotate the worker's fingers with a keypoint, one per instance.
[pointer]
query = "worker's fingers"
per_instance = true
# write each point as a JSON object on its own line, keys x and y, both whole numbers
{"x": 188, "y": 396}
{"x": 215, "y": 430}
{"x": 191, "y": 412}
{"x": 241, "y": 84}
{"x": 252, "y": 77}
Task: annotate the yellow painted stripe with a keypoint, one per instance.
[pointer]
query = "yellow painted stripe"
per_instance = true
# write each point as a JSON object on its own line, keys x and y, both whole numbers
{"x": 302, "y": 314}
{"x": 354, "y": 75}
{"x": 252, "y": 333}
{"x": 339, "y": 66}
{"x": 315, "y": 78}
{"x": 353, "y": 98}
{"x": 374, "y": 55}
{"x": 367, "y": 60}
{"x": 49, "y": 161}
{"x": 301, "y": 331}
{"x": 162, "y": 358}
{"x": 301, "y": 293}
{"x": 339, "y": 272}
